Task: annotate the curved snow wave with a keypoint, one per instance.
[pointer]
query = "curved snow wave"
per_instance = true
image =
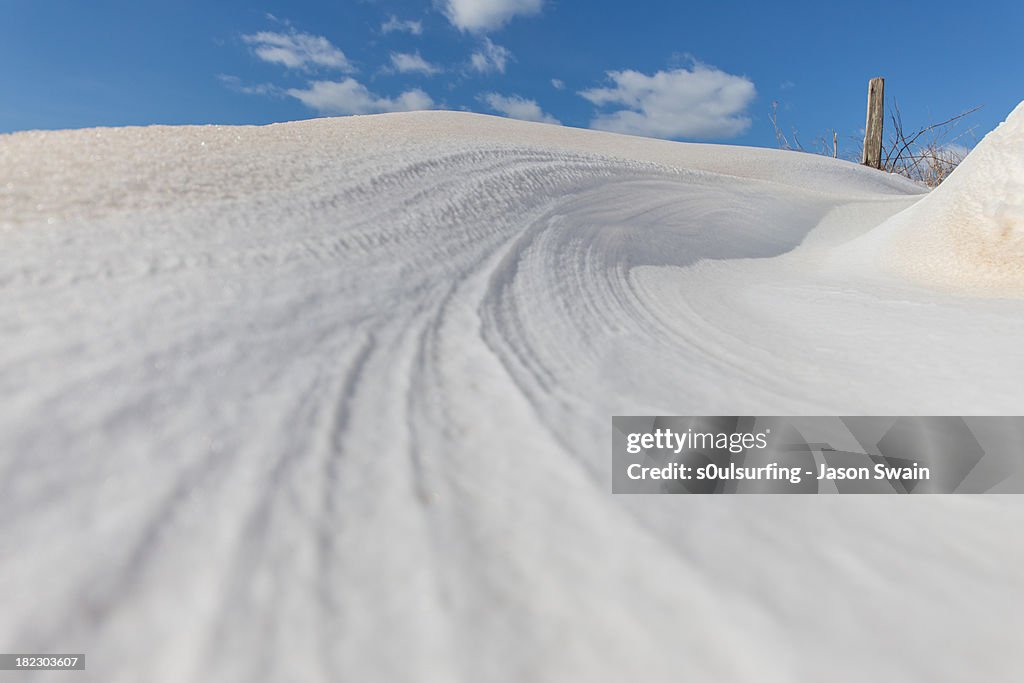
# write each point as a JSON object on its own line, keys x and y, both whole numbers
{"x": 86, "y": 174}
{"x": 968, "y": 234}
{"x": 286, "y": 401}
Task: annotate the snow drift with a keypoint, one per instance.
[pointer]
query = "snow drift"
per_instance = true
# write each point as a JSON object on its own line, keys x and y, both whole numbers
{"x": 330, "y": 400}
{"x": 967, "y": 235}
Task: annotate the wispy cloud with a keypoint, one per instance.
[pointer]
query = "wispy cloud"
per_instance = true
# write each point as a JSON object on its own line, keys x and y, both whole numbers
{"x": 486, "y": 15}
{"x": 394, "y": 24}
{"x": 698, "y": 102}
{"x": 404, "y": 62}
{"x": 235, "y": 83}
{"x": 490, "y": 57}
{"x": 297, "y": 50}
{"x": 557, "y": 84}
{"x": 349, "y": 96}
{"x": 516, "y": 107}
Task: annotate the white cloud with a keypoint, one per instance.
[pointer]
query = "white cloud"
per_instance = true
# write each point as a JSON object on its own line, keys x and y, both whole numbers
{"x": 490, "y": 57}
{"x": 557, "y": 84}
{"x": 404, "y": 62}
{"x": 297, "y": 50}
{"x": 700, "y": 102}
{"x": 395, "y": 24}
{"x": 349, "y": 96}
{"x": 484, "y": 15}
{"x": 236, "y": 84}
{"x": 517, "y": 107}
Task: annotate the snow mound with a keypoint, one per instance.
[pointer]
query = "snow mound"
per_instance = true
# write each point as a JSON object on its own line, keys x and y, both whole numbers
{"x": 968, "y": 234}
{"x": 331, "y": 400}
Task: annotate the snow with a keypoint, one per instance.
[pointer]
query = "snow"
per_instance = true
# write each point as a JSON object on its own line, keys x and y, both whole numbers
{"x": 331, "y": 400}
{"x": 968, "y": 235}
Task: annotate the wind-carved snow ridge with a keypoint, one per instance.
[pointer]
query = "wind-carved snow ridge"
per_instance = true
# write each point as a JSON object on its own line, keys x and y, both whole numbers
{"x": 331, "y": 400}
{"x": 968, "y": 234}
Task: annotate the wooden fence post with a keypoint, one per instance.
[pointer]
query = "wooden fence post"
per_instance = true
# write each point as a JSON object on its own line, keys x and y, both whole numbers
{"x": 873, "y": 128}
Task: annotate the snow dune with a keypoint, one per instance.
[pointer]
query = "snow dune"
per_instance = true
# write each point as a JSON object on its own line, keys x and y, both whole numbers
{"x": 331, "y": 400}
{"x": 968, "y": 236}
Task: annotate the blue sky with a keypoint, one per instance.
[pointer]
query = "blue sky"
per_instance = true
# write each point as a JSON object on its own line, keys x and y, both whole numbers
{"x": 671, "y": 69}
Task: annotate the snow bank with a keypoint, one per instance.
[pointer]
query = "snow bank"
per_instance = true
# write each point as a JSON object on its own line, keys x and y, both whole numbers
{"x": 968, "y": 234}
{"x": 331, "y": 400}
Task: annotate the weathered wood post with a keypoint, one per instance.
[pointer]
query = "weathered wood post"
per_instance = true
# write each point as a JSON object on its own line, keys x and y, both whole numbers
{"x": 873, "y": 128}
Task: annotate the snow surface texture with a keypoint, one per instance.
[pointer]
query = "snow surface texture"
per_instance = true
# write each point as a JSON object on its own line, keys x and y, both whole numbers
{"x": 331, "y": 401}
